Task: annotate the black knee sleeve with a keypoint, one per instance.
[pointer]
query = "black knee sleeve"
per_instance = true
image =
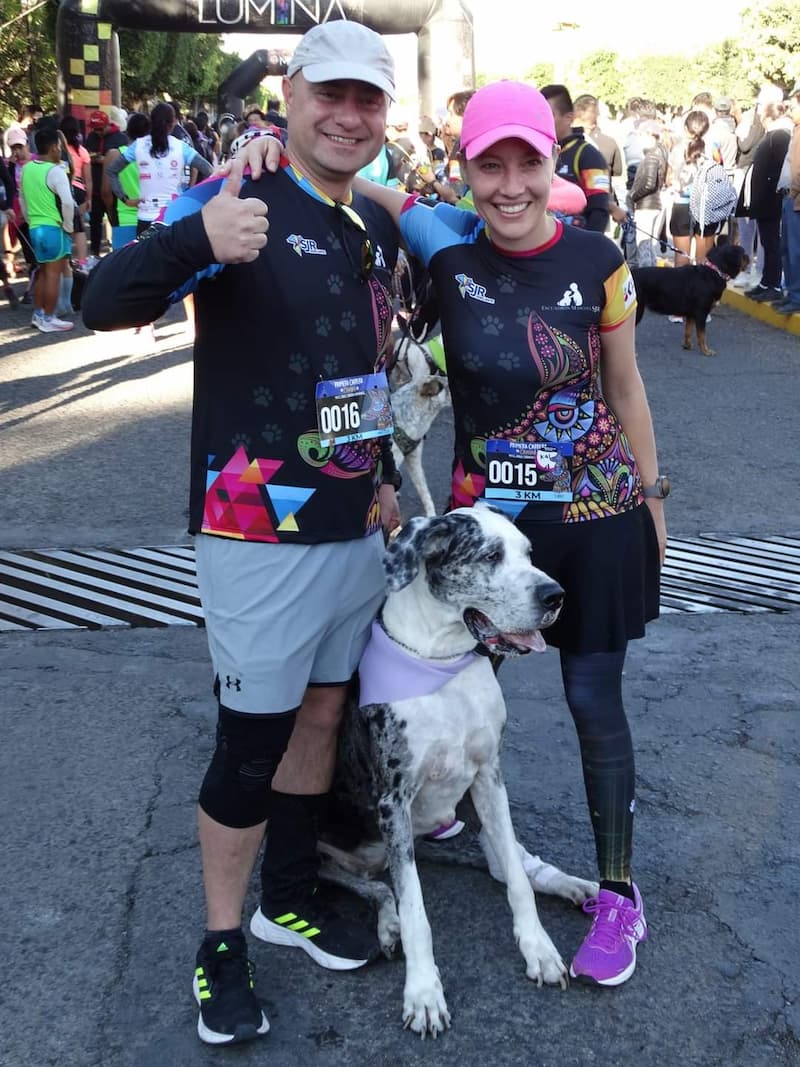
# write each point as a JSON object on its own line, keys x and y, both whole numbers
{"x": 236, "y": 789}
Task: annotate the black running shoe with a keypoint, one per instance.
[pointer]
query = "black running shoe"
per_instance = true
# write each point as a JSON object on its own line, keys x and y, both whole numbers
{"x": 223, "y": 987}
{"x": 334, "y": 941}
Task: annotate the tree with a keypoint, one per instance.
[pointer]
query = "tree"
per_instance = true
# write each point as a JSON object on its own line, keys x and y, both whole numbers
{"x": 725, "y": 71}
{"x": 187, "y": 67}
{"x": 770, "y": 43}
{"x": 599, "y": 74}
{"x": 541, "y": 74}
{"x": 28, "y": 69}
{"x": 662, "y": 79}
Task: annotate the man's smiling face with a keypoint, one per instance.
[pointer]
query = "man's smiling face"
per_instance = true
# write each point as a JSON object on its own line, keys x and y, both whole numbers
{"x": 335, "y": 128}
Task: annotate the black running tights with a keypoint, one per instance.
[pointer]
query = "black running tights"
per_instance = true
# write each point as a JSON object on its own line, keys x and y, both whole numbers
{"x": 593, "y": 688}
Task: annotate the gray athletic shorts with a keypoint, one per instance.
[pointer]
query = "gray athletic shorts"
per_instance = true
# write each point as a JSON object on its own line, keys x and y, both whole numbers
{"x": 282, "y": 617}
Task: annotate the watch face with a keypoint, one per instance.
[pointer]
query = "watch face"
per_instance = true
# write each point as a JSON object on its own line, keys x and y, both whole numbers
{"x": 663, "y": 485}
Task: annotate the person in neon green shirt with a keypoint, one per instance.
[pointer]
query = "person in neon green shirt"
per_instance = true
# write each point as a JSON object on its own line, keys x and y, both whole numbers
{"x": 43, "y": 181}
{"x": 127, "y": 210}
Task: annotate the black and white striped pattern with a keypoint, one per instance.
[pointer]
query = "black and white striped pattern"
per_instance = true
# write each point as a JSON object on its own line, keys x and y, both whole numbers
{"x": 98, "y": 588}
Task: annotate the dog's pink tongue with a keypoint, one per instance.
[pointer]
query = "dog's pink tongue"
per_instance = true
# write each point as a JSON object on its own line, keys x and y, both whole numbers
{"x": 534, "y": 641}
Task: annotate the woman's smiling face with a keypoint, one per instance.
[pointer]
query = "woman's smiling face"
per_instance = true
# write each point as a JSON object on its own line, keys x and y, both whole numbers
{"x": 510, "y": 185}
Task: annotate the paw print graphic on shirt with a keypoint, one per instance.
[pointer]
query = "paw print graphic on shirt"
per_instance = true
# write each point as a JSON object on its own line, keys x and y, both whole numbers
{"x": 335, "y": 283}
{"x": 488, "y": 396}
{"x": 323, "y": 325}
{"x": 262, "y": 396}
{"x": 508, "y": 360}
{"x": 491, "y": 324}
{"x": 523, "y": 315}
{"x": 506, "y": 284}
{"x": 469, "y": 425}
{"x": 330, "y": 366}
{"x": 298, "y": 363}
{"x": 241, "y": 440}
{"x": 347, "y": 321}
{"x": 296, "y": 401}
{"x": 472, "y": 361}
{"x": 334, "y": 243}
{"x": 272, "y": 433}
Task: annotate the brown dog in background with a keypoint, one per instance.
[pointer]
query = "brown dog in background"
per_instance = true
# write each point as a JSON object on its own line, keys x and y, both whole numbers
{"x": 689, "y": 291}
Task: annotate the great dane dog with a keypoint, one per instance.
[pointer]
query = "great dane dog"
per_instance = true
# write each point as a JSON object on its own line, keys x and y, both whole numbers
{"x": 428, "y": 727}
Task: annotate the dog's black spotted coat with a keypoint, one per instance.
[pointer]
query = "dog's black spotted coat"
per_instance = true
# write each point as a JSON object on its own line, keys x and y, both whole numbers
{"x": 457, "y": 540}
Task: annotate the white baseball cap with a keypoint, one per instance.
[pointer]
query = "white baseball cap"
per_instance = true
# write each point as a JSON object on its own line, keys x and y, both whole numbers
{"x": 344, "y": 51}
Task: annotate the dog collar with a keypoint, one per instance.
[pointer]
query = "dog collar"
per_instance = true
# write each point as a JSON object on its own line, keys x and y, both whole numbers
{"x": 390, "y": 671}
{"x": 712, "y": 266}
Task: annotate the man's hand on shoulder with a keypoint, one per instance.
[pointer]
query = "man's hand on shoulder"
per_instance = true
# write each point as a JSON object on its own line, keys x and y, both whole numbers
{"x": 236, "y": 229}
{"x": 260, "y": 154}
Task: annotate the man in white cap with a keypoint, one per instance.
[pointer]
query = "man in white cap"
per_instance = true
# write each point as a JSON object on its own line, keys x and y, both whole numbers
{"x": 288, "y": 515}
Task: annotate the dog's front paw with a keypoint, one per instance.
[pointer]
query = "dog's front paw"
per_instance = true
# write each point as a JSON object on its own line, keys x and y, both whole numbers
{"x": 424, "y": 1007}
{"x": 578, "y": 890}
{"x": 708, "y": 351}
{"x": 544, "y": 964}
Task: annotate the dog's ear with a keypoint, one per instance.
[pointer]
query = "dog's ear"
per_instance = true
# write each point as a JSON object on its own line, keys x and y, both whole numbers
{"x": 402, "y": 559}
{"x": 420, "y": 540}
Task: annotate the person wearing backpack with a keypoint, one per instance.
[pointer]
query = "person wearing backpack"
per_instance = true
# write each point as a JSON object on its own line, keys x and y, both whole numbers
{"x": 686, "y": 162}
{"x": 579, "y": 161}
{"x": 766, "y": 202}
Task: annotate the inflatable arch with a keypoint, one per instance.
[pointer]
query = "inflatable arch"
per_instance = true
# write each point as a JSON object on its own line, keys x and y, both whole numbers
{"x": 87, "y": 48}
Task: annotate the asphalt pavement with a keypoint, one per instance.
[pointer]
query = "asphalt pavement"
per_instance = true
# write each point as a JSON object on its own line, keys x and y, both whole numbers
{"x": 107, "y": 733}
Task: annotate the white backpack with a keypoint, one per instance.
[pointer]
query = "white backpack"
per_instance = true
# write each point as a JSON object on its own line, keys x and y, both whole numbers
{"x": 713, "y": 196}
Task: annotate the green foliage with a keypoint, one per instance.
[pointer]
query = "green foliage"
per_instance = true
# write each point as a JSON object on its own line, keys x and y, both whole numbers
{"x": 599, "y": 74}
{"x": 662, "y": 79}
{"x": 724, "y": 72}
{"x": 187, "y": 67}
{"x": 28, "y": 68}
{"x": 541, "y": 74}
{"x": 770, "y": 42}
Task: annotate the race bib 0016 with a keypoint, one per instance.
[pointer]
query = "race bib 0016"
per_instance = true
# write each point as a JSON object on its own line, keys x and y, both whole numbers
{"x": 528, "y": 471}
{"x": 353, "y": 409}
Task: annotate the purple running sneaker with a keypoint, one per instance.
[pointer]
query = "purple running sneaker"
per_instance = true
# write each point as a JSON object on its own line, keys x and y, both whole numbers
{"x": 608, "y": 953}
{"x": 447, "y": 830}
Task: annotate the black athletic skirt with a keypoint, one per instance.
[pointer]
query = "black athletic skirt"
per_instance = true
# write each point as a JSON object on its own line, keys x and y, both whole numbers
{"x": 610, "y": 572}
{"x": 681, "y": 224}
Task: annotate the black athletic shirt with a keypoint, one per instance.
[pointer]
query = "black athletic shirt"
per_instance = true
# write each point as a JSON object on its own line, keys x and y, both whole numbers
{"x": 266, "y": 333}
{"x": 521, "y": 334}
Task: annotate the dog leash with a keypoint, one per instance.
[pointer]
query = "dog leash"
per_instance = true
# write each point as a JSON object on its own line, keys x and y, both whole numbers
{"x": 660, "y": 240}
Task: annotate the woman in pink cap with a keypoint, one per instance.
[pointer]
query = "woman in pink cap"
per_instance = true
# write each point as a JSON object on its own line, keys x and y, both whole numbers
{"x": 534, "y": 314}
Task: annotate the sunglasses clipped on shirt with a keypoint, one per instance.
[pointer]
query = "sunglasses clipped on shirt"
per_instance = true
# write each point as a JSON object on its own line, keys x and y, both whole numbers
{"x": 367, "y": 264}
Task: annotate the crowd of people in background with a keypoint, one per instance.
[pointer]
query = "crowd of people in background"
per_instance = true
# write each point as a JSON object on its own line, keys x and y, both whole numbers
{"x": 637, "y": 171}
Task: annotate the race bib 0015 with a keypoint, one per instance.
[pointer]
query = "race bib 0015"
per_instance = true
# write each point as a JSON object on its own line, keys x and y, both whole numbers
{"x": 528, "y": 471}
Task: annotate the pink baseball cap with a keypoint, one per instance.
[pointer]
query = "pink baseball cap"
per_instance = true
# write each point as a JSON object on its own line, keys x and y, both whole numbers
{"x": 507, "y": 109}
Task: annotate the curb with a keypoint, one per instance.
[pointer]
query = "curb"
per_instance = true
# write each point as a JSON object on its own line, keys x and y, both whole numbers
{"x": 762, "y": 312}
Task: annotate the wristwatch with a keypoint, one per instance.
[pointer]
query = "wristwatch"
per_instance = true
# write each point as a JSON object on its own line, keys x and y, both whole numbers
{"x": 659, "y": 489}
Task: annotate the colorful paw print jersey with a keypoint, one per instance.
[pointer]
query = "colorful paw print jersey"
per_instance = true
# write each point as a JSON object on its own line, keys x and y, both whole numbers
{"x": 533, "y": 434}
{"x": 313, "y": 309}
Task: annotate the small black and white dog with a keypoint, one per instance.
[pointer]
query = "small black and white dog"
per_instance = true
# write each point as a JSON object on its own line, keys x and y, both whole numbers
{"x": 428, "y": 728}
{"x": 419, "y": 392}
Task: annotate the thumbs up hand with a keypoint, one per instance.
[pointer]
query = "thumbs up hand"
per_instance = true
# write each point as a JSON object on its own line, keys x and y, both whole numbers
{"x": 236, "y": 229}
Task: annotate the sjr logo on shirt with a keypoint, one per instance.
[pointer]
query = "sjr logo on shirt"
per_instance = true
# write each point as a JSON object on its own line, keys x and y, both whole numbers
{"x": 304, "y": 244}
{"x": 468, "y": 287}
